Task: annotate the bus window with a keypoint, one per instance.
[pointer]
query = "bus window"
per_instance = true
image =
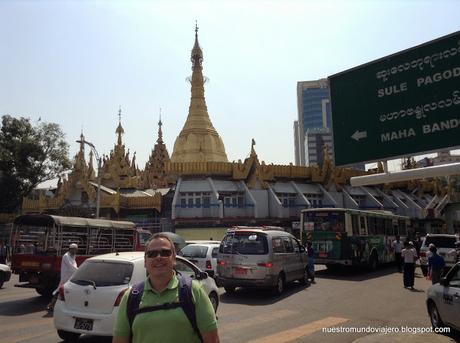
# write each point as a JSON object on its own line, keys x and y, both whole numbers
{"x": 389, "y": 227}
{"x": 380, "y": 226}
{"x": 355, "y": 224}
{"x": 402, "y": 227}
{"x": 372, "y": 225}
{"x": 326, "y": 221}
{"x": 362, "y": 226}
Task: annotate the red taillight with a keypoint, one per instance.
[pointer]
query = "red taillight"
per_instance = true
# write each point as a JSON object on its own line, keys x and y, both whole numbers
{"x": 221, "y": 263}
{"x": 266, "y": 265}
{"x": 208, "y": 265}
{"x": 119, "y": 297}
{"x": 61, "y": 293}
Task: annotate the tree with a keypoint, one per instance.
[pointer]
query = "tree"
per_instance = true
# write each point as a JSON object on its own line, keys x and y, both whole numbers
{"x": 29, "y": 155}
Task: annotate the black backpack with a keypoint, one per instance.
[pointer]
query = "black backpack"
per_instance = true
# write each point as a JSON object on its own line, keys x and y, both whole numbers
{"x": 185, "y": 301}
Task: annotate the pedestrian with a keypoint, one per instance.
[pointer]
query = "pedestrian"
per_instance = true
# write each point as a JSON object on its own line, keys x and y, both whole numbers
{"x": 3, "y": 253}
{"x": 171, "y": 323}
{"x": 409, "y": 256}
{"x": 68, "y": 267}
{"x": 397, "y": 246}
{"x": 418, "y": 243}
{"x": 311, "y": 262}
{"x": 436, "y": 265}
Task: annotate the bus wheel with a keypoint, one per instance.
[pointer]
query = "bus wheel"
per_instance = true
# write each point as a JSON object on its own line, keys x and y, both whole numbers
{"x": 45, "y": 292}
{"x": 374, "y": 261}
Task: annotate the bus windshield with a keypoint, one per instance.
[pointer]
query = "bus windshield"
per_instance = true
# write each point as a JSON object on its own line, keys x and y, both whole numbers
{"x": 324, "y": 221}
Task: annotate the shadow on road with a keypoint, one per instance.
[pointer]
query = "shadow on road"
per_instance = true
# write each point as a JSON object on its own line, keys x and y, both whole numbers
{"x": 261, "y": 296}
{"x": 92, "y": 339}
{"x": 24, "y": 306}
{"x": 357, "y": 273}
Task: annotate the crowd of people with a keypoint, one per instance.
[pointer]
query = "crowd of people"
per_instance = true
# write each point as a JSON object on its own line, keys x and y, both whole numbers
{"x": 408, "y": 252}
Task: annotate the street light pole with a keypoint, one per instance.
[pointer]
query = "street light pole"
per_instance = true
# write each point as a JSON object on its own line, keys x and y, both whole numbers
{"x": 99, "y": 166}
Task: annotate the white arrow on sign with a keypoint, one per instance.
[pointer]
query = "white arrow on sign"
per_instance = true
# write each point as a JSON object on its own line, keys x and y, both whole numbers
{"x": 359, "y": 135}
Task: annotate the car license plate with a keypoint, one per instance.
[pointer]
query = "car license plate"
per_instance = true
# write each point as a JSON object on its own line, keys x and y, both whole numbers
{"x": 322, "y": 254}
{"x": 241, "y": 271}
{"x": 83, "y": 324}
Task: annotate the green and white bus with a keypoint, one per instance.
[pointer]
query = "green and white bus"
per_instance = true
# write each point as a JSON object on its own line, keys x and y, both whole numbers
{"x": 351, "y": 237}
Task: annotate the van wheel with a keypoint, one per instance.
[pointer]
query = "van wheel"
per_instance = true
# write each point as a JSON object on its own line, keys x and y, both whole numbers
{"x": 67, "y": 336}
{"x": 229, "y": 289}
{"x": 1, "y": 279}
{"x": 435, "y": 318}
{"x": 280, "y": 283}
{"x": 304, "y": 280}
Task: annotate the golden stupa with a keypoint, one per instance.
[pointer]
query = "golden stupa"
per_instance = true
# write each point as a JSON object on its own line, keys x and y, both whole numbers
{"x": 198, "y": 141}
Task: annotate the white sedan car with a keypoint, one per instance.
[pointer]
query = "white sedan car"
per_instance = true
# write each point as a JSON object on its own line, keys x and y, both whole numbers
{"x": 88, "y": 302}
{"x": 5, "y": 274}
{"x": 443, "y": 300}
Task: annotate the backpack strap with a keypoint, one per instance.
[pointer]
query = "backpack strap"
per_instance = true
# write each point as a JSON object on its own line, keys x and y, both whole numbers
{"x": 186, "y": 300}
{"x": 132, "y": 307}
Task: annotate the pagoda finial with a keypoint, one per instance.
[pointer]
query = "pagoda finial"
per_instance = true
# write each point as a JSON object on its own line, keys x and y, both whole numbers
{"x": 160, "y": 133}
{"x": 197, "y": 54}
{"x": 82, "y": 141}
{"x": 119, "y": 129}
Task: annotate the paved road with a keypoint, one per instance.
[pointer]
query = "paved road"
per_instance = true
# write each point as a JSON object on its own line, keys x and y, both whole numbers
{"x": 338, "y": 301}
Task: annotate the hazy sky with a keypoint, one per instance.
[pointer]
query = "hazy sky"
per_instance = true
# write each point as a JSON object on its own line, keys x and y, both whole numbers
{"x": 76, "y": 62}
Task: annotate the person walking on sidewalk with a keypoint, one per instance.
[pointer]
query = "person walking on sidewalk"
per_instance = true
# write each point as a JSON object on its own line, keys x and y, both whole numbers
{"x": 409, "y": 256}
{"x": 397, "y": 246}
{"x": 436, "y": 265}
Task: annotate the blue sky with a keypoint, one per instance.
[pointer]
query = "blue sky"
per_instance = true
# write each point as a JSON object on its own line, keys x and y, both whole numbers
{"x": 76, "y": 62}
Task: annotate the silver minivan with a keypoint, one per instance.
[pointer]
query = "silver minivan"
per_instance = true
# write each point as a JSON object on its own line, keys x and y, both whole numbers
{"x": 260, "y": 257}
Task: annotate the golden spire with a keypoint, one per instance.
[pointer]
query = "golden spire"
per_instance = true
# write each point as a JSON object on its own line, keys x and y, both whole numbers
{"x": 198, "y": 141}
{"x": 119, "y": 129}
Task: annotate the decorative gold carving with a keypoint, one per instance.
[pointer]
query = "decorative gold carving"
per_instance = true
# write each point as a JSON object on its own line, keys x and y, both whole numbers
{"x": 117, "y": 169}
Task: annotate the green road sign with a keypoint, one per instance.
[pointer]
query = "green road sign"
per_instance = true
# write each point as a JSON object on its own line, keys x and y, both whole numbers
{"x": 400, "y": 105}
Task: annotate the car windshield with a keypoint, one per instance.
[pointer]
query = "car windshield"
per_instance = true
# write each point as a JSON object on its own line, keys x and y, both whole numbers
{"x": 441, "y": 241}
{"x": 198, "y": 251}
{"x": 245, "y": 243}
{"x": 103, "y": 273}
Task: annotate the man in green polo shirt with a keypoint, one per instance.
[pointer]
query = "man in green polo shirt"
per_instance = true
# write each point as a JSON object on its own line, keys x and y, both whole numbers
{"x": 161, "y": 286}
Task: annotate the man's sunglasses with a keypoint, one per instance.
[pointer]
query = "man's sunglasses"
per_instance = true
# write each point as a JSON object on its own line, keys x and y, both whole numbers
{"x": 155, "y": 253}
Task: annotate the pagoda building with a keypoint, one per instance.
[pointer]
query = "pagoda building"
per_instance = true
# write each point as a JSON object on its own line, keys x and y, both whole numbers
{"x": 198, "y": 141}
{"x": 198, "y": 187}
{"x": 154, "y": 175}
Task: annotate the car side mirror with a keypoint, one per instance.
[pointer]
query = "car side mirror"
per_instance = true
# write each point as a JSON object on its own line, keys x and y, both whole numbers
{"x": 302, "y": 249}
{"x": 443, "y": 282}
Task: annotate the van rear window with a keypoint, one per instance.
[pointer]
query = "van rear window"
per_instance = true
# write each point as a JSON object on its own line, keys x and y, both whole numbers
{"x": 103, "y": 273}
{"x": 197, "y": 251}
{"x": 244, "y": 243}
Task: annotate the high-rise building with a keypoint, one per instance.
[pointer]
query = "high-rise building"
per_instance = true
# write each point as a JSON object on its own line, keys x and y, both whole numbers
{"x": 314, "y": 112}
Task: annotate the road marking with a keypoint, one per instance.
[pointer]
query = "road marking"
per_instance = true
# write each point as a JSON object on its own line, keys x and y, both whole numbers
{"x": 262, "y": 319}
{"x": 299, "y": 331}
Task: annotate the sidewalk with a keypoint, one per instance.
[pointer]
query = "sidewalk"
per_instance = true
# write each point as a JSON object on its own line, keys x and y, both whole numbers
{"x": 406, "y": 338}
